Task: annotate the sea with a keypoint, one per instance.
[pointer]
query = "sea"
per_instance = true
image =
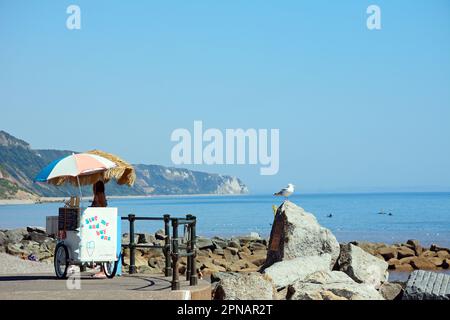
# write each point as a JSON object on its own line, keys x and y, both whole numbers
{"x": 376, "y": 217}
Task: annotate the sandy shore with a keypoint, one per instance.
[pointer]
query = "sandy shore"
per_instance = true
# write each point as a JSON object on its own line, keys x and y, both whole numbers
{"x": 14, "y": 265}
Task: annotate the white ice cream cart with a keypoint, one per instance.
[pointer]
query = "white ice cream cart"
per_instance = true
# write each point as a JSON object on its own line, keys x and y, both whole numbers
{"x": 91, "y": 235}
{"x": 87, "y": 237}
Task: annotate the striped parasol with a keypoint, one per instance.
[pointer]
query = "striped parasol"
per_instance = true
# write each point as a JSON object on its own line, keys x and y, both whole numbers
{"x": 76, "y": 169}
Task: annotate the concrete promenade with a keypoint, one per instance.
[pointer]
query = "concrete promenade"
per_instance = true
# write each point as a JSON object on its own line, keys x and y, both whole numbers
{"x": 126, "y": 287}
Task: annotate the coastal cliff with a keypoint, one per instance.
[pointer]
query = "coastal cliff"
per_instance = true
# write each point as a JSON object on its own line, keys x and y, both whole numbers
{"x": 19, "y": 164}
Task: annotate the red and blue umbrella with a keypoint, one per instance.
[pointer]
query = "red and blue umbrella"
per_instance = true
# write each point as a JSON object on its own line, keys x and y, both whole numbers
{"x": 74, "y": 166}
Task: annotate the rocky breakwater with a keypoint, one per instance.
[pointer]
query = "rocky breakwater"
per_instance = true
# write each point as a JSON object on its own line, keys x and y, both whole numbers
{"x": 409, "y": 256}
{"x": 30, "y": 243}
{"x": 305, "y": 262}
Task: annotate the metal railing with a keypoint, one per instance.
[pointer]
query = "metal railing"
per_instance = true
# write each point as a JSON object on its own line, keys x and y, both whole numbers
{"x": 171, "y": 247}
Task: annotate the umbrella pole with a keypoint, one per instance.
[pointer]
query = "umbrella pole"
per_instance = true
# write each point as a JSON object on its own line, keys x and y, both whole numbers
{"x": 79, "y": 189}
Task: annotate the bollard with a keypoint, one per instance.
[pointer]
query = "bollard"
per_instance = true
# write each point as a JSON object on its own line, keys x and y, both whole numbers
{"x": 175, "y": 273}
{"x": 168, "y": 268}
{"x": 131, "y": 219}
{"x": 194, "y": 279}
{"x": 188, "y": 248}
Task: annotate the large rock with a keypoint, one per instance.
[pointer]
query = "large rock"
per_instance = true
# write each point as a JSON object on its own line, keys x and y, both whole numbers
{"x": 16, "y": 235}
{"x": 391, "y": 291}
{"x": 219, "y": 243}
{"x": 205, "y": 243}
{"x": 250, "y": 286}
{"x": 362, "y": 266}
{"x": 427, "y": 285}
{"x": 388, "y": 253}
{"x": 38, "y": 237}
{"x": 37, "y": 229}
{"x": 160, "y": 234}
{"x": 331, "y": 285}
{"x": 3, "y": 238}
{"x": 284, "y": 273}
{"x": 405, "y": 252}
{"x": 415, "y": 245}
{"x": 146, "y": 238}
{"x": 296, "y": 233}
{"x": 126, "y": 238}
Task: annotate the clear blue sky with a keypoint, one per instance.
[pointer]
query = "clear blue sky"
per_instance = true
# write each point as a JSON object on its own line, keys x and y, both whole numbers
{"x": 357, "y": 110}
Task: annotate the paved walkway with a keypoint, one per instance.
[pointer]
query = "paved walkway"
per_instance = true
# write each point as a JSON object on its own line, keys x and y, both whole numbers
{"x": 127, "y": 287}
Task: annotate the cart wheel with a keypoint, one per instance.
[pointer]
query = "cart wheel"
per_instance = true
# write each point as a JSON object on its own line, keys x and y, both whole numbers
{"x": 61, "y": 261}
{"x": 110, "y": 268}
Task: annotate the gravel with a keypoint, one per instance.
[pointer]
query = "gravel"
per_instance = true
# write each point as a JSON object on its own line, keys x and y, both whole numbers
{"x": 12, "y": 265}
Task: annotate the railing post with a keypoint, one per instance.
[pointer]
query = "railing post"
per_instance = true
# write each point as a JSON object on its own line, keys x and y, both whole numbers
{"x": 168, "y": 268}
{"x": 188, "y": 248}
{"x": 175, "y": 274}
{"x": 131, "y": 219}
{"x": 194, "y": 279}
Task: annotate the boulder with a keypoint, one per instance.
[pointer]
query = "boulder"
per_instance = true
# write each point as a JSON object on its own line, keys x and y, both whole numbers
{"x": 234, "y": 244}
{"x": 230, "y": 255}
{"x": 17, "y": 249}
{"x": 204, "y": 253}
{"x": 446, "y": 263}
{"x": 152, "y": 252}
{"x": 3, "y": 238}
{"x": 388, "y": 253}
{"x": 156, "y": 263}
{"x": 207, "y": 268}
{"x": 404, "y": 252}
{"x": 391, "y": 291}
{"x": 420, "y": 263}
{"x": 437, "y": 262}
{"x": 126, "y": 238}
{"x": 244, "y": 286}
{"x": 256, "y": 246}
{"x": 16, "y": 235}
{"x": 246, "y": 250}
{"x": 286, "y": 272}
{"x": 443, "y": 254}
{"x": 140, "y": 260}
{"x": 404, "y": 268}
{"x": 369, "y": 247}
{"x": 205, "y": 243}
{"x": 415, "y": 245}
{"x": 38, "y": 237}
{"x": 331, "y": 285}
{"x": 160, "y": 234}
{"x": 393, "y": 263}
{"x": 257, "y": 260}
{"x": 250, "y": 238}
{"x": 37, "y": 229}
{"x": 362, "y": 266}
{"x": 429, "y": 254}
{"x": 146, "y": 238}
{"x": 296, "y": 233}
{"x": 219, "y": 243}
{"x": 427, "y": 285}
{"x": 436, "y": 248}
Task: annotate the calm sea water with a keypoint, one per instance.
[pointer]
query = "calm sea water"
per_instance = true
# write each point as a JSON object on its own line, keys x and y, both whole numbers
{"x": 422, "y": 216}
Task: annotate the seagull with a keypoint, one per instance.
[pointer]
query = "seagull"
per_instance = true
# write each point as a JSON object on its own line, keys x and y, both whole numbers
{"x": 286, "y": 192}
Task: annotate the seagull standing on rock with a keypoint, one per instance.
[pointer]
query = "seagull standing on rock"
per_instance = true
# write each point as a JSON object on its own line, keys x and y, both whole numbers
{"x": 286, "y": 192}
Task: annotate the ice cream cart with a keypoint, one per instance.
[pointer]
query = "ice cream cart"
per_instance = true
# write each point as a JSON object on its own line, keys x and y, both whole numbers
{"x": 87, "y": 237}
